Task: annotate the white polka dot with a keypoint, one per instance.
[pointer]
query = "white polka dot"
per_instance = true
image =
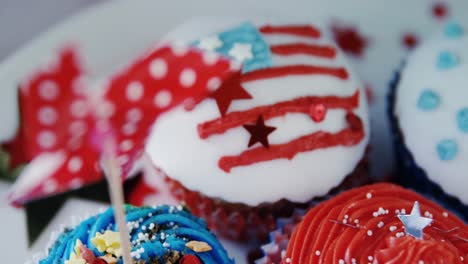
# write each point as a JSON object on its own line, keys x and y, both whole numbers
{"x": 126, "y": 145}
{"x": 75, "y": 164}
{"x": 134, "y": 115}
{"x": 158, "y": 68}
{"x": 78, "y": 128}
{"x": 179, "y": 49}
{"x": 187, "y": 77}
{"x": 75, "y": 143}
{"x": 48, "y": 90}
{"x": 76, "y": 183}
{"x": 46, "y": 139}
{"x": 134, "y": 91}
{"x": 163, "y": 99}
{"x": 105, "y": 109}
{"x": 210, "y": 58}
{"x": 78, "y": 108}
{"x": 123, "y": 159}
{"x": 47, "y": 115}
{"x": 49, "y": 186}
{"x": 129, "y": 129}
{"x": 213, "y": 83}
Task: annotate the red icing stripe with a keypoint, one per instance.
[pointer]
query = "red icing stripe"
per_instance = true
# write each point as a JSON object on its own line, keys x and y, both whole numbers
{"x": 281, "y": 71}
{"x": 299, "y": 105}
{"x": 373, "y": 234}
{"x": 296, "y": 30}
{"x": 347, "y": 137}
{"x": 303, "y": 48}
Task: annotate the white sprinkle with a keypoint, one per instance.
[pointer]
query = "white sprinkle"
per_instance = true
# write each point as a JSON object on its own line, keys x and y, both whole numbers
{"x": 165, "y": 244}
{"x": 134, "y": 91}
{"x": 421, "y": 262}
{"x": 288, "y": 260}
{"x": 345, "y": 221}
{"x": 369, "y": 232}
{"x": 392, "y": 228}
{"x": 380, "y": 224}
{"x": 317, "y": 253}
{"x": 445, "y": 214}
{"x": 346, "y": 216}
{"x": 370, "y": 258}
{"x": 356, "y": 221}
{"x": 369, "y": 195}
{"x": 75, "y": 164}
{"x": 400, "y": 234}
{"x": 341, "y": 261}
{"x": 353, "y": 261}
{"x": 46, "y": 139}
{"x": 48, "y": 90}
{"x": 47, "y": 115}
{"x": 187, "y": 77}
{"x": 375, "y": 214}
{"x": 163, "y": 99}
{"x": 158, "y": 68}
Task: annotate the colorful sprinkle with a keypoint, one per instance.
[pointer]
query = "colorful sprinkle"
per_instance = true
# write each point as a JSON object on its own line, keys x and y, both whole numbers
{"x": 447, "y": 149}
{"x": 428, "y": 100}
{"x": 462, "y": 119}
{"x": 453, "y": 30}
{"x": 447, "y": 60}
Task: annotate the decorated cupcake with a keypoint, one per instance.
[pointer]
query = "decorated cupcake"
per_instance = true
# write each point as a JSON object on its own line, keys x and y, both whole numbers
{"x": 380, "y": 223}
{"x": 162, "y": 234}
{"x": 429, "y": 112}
{"x": 292, "y": 127}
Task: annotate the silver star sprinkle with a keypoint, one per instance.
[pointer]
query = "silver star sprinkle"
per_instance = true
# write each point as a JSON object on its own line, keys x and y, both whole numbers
{"x": 414, "y": 223}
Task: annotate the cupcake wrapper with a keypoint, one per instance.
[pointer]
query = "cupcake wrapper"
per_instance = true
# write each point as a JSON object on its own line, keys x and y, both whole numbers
{"x": 241, "y": 222}
{"x": 409, "y": 173}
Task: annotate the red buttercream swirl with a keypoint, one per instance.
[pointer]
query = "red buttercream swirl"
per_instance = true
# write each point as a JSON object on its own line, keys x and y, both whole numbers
{"x": 361, "y": 226}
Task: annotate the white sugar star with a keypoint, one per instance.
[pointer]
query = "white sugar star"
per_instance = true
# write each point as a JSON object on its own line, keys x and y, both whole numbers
{"x": 210, "y": 43}
{"x": 241, "y": 52}
{"x": 414, "y": 223}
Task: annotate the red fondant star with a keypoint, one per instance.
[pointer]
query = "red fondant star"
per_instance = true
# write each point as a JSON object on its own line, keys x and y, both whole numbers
{"x": 259, "y": 132}
{"x": 349, "y": 39}
{"x": 230, "y": 90}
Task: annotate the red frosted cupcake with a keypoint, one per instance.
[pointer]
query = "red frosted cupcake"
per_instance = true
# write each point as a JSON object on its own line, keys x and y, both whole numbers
{"x": 291, "y": 128}
{"x": 381, "y": 223}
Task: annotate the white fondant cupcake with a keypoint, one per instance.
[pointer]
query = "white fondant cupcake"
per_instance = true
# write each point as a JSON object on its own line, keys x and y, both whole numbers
{"x": 293, "y": 127}
{"x": 429, "y": 111}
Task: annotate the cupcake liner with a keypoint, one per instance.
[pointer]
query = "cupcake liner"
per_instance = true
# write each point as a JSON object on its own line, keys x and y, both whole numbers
{"x": 241, "y": 222}
{"x": 409, "y": 173}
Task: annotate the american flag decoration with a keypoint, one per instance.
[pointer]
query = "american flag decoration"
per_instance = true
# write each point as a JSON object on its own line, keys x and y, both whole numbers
{"x": 63, "y": 125}
{"x": 264, "y": 57}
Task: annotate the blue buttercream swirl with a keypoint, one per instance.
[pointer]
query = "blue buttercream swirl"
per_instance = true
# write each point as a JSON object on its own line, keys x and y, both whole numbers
{"x": 167, "y": 230}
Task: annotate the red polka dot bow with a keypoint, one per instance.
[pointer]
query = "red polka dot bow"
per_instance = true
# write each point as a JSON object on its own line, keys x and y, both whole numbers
{"x": 63, "y": 123}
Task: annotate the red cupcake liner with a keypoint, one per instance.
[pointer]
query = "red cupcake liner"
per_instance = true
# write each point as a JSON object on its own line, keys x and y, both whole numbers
{"x": 241, "y": 222}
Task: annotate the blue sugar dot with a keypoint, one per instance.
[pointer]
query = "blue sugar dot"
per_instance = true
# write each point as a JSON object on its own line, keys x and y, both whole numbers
{"x": 428, "y": 100}
{"x": 447, "y": 149}
{"x": 447, "y": 60}
{"x": 453, "y": 30}
{"x": 462, "y": 119}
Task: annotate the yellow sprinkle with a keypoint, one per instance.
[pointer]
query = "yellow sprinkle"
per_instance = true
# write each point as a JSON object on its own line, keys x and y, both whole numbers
{"x": 108, "y": 242}
{"x": 198, "y": 246}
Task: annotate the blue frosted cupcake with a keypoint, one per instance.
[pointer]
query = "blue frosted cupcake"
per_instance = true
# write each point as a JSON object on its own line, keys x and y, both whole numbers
{"x": 163, "y": 234}
{"x": 429, "y": 115}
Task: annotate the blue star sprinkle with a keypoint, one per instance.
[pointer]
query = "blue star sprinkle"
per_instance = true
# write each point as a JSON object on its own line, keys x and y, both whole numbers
{"x": 447, "y": 149}
{"x": 414, "y": 223}
{"x": 462, "y": 119}
{"x": 453, "y": 30}
{"x": 428, "y": 100}
{"x": 447, "y": 60}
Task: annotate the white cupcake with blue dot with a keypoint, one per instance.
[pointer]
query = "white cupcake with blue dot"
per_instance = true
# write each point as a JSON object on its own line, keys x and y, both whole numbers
{"x": 431, "y": 107}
